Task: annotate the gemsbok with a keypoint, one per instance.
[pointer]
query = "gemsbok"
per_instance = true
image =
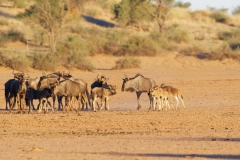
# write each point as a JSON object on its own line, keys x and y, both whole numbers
{"x": 139, "y": 84}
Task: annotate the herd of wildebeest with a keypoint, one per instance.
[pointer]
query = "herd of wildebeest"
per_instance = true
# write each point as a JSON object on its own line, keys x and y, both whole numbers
{"x": 23, "y": 90}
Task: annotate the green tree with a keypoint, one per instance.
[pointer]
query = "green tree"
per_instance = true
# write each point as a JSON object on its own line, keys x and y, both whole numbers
{"x": 50, "y": 17}
{"x": 134, "y": 11}
{"x": 182, "y": 4}
{"x": 129, "y": 12}
{"x": 160, "y": 12}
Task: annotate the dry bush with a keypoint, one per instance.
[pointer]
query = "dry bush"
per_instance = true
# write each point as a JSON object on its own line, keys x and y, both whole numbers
{"x": 219, "y": 16}
{"x": 18, "y": 62}
{"x": 3, "y": 60}
{"x": 127, "y": 62}
{"x": 138, "y": 46}
{"x": 20, "y": 3}
{"x": 201, "y": 16}
{"x": 231, "y": 37}
{"x": 176, "y": 34}
{"x": 71, "y": 43}
{"x": 3, "y": 22}
{"x": 162, "y": 42}
{"x": 179, "y": 14}
{"x": 79, "y": 61}
{"x": 194, "y": 49}
{"x": 14, "y": 35}
{"x": 45, "y": 62}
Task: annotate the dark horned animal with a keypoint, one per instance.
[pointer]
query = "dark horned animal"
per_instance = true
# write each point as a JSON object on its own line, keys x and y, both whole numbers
{"x": 139, "y": 84}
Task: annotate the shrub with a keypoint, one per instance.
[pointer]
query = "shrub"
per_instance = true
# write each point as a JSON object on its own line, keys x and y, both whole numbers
{"x": 79, "y": 61}
{"x": 3, "y": 22}
{"x": 220, "y": 17}
{"x": 138, "y": 46}
{"x": 2, "y": 40}
{"x": 127, "y": 62}
{"x": 3, "y": 60}
{"x": 13, "y": 35}
{"x": 232, "y": 38}
{"x": 162, "y": 42}
{"x": 182, "y": 4}
{"x": 73, "y": 43}
{"x": 20, "y": 3}
{"x": 45, "y": 62}
{"x": 19, "y": 63}
{"x": 176, "y": 34}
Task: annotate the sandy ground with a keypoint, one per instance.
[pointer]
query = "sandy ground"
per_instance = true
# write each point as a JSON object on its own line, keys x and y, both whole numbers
{"x": 208, "y": 128}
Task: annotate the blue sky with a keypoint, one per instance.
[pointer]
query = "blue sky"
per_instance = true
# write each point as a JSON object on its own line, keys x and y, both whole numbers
{"x": 202, "y": 4}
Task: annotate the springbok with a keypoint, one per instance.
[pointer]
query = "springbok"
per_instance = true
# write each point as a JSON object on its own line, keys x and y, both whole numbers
{"x": 161, "y": 97}
{"x": 173, "y": 92}
{"x": 103, "y": 93}
{"x": 139, "y": 84}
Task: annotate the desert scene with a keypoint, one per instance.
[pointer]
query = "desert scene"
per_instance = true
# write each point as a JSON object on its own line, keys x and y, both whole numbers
{"x": 207, "y": 128}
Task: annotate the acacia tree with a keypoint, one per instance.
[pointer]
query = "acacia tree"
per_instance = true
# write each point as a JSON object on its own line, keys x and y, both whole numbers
{"x": 162, "y": 9}
{"x": 155, "y": 9}
{"x": 130, "y": 12}
{"x": 50, "y": 17}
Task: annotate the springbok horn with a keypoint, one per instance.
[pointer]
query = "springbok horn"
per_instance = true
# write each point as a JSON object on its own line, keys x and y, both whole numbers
{"x": 13, "y": 72}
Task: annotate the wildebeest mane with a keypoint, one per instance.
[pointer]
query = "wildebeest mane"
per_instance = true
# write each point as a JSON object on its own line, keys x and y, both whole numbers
{"x": 138, "y": 74}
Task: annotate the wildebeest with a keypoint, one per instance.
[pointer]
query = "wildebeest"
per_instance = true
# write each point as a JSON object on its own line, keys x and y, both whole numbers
{"x": 102, "y": 93}
{"x": 58, "y": 76}
{"x": 139, "y": 84}
{"x": 68, "y": 89}
{"x": 17, "y": 76}
{"x": 65, "y": 87}
{"x": 18, "y": 90}
{"x": 99, "y": 81}
{"x": 40, "y": 95}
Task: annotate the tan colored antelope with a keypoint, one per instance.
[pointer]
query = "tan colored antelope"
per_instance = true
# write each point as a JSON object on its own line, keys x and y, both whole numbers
{"x": 103, "y": 93}
{"x": 161, "y": 97}
{"x": 173, "y": 92}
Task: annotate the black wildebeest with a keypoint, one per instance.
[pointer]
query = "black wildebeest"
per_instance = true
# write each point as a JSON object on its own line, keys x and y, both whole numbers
{"x": 139, "y": 84}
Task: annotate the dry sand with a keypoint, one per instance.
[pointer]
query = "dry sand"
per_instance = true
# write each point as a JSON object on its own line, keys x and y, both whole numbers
{"x": 208, "y": 128}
